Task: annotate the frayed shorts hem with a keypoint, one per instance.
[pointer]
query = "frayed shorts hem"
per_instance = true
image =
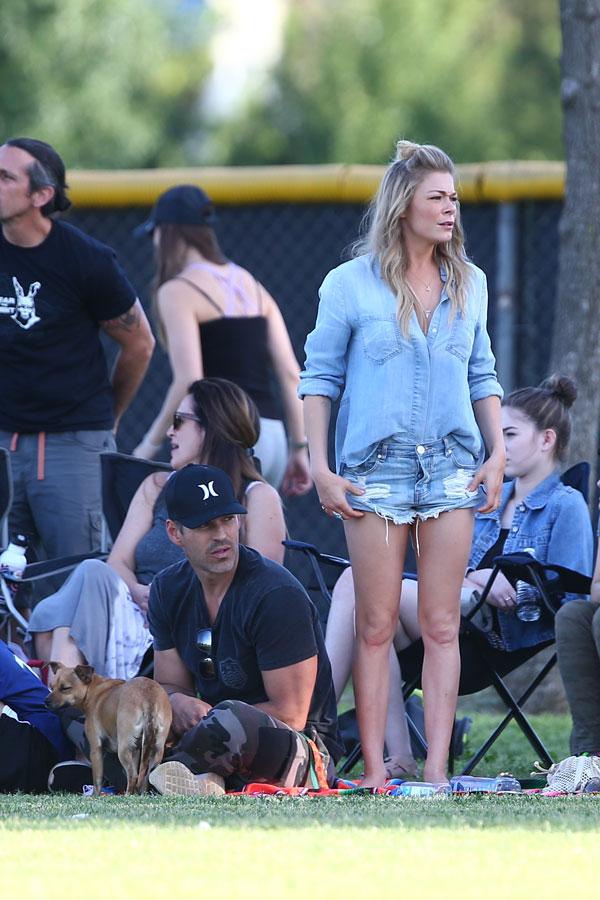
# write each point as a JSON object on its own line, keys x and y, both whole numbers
{"x": 409, "y": 516}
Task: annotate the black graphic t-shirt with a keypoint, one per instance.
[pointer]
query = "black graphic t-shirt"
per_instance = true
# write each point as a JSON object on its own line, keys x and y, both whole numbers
{"x": 265, "y": 621}
{"x": 52, "y": 298}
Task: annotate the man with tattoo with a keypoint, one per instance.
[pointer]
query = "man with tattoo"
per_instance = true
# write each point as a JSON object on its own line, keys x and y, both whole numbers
{"x": 59, "y": 288}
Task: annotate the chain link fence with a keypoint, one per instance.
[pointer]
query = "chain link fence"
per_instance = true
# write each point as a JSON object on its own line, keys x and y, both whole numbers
{"x": 290, "y": 248}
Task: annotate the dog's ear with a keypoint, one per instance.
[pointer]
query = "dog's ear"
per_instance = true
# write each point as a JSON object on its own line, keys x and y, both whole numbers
{"x": 84, "y": 673}
{"x": 55, "y": 666}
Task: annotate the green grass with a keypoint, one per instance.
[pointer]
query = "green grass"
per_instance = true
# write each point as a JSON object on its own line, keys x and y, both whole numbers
{"x": 359, "y": 846}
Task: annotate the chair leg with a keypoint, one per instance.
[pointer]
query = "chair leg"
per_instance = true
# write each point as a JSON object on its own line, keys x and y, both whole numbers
{"x": 517, "y": 714}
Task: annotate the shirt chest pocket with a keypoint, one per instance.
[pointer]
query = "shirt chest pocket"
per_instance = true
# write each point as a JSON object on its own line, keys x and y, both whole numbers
{"x": 462, "y": 334}
{"x": 380, "y": 338}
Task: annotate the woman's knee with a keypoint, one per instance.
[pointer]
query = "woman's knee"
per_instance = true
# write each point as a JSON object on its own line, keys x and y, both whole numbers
{"x": 376, "y": 630}
{"x": 441, "y": 632}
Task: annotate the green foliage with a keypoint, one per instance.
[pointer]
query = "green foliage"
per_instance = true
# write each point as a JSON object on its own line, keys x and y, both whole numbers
{"x": 478, "y": 77}
{"x": 111, "y": 83}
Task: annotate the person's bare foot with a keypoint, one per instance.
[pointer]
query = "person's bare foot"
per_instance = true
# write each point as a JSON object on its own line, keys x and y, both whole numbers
{"x": 373, "y": 779}
{"x": 434, "y": 776}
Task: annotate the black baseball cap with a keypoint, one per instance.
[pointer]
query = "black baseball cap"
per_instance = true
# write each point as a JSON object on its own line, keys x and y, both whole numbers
{"x": 196, "y": 495}
{"x": 185, "y": 204}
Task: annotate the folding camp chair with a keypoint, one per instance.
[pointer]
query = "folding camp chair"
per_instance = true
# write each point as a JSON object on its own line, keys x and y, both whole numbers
{"x": 11, "y": 619}
{"x": 482, "y": 665}
{"x": 121, "y": 477}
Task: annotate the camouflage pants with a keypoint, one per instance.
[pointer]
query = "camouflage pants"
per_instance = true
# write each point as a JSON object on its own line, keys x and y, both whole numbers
{"x": 244, "y": 744}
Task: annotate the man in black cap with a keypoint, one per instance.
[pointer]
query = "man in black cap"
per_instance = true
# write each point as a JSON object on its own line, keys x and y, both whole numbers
{"x": 239, "y": 649}
{"x": 59, "y": 289}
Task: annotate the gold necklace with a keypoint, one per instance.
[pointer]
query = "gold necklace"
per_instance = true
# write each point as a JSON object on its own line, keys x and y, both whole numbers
{"x": 426, "y": 312}
{"x": 426, "y": 284}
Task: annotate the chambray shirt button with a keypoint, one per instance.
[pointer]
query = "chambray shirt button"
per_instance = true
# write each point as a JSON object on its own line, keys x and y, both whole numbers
{"x": 514, "y": 529}
{"x": 420, "y": 449}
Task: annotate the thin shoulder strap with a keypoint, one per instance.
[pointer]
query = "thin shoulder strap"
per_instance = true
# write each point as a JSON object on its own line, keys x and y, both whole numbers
{"x": 200, "y": 291}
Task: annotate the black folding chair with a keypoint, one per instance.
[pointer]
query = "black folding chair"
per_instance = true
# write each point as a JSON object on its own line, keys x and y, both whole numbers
{"x": 121, "y": 477}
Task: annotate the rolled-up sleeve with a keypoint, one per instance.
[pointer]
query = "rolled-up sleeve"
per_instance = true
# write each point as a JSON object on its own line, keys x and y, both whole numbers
{"x": 326, "y": 346}
{"x": 483, "y": 381}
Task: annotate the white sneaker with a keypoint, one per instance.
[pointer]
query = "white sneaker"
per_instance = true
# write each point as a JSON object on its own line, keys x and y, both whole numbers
{"x": 174, "y": 778}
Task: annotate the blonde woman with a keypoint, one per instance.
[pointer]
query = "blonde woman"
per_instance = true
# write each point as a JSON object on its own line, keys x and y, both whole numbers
{"x": 401, "y": 330}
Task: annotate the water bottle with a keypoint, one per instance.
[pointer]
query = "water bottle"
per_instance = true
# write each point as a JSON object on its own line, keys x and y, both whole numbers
{"x": 528, "y": 608}
{"x": 505, "y": 783}
{"x": 420, "y": 789}
{"x": 13, "y": 559}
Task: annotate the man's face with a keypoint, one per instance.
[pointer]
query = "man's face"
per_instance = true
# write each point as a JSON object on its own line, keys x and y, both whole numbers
{"x": 16, "y": 198}
{"x": 213, "y": 548}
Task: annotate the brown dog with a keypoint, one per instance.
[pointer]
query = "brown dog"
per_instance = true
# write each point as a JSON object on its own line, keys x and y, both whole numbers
{"x": 130, "y": 717}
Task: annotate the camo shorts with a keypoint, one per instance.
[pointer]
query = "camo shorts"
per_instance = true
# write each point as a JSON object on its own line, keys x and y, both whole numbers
{"x": 243, "y": 744}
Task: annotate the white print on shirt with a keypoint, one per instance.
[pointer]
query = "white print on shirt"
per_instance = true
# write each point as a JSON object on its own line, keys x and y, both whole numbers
{"x": 21, "y": 308}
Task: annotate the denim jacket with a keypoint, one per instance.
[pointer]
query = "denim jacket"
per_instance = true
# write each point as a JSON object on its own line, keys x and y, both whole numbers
{"x": 553, "y": 520}
{"x": 416, "y": 386}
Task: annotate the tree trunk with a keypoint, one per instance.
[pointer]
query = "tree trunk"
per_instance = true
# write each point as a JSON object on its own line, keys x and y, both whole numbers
{"x": 576, "y": 334}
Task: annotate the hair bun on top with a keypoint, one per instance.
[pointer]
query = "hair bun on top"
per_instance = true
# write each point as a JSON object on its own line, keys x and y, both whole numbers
{"x": 563, "y": 388}
{"x": 405, "y": 149}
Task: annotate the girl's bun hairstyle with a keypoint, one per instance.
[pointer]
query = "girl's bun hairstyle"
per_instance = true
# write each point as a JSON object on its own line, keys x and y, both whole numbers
{"x": 548, "y": 406}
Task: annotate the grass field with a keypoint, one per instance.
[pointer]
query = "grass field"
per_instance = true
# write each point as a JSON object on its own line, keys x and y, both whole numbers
{"x": 73, "y": 847}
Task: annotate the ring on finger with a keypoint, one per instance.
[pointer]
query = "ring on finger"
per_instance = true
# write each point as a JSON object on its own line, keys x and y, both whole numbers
{"x": 337, "y": 515}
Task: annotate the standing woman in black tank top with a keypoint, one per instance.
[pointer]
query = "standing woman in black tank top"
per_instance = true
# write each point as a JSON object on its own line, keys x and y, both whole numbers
{"x": 215, "y": 319}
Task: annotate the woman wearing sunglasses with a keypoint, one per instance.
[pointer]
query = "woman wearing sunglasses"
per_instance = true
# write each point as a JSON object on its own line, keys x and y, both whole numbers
{"x": 98, "y": 615}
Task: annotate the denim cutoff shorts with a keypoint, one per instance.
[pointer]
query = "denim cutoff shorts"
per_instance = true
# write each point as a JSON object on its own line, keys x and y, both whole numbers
{"x": 404, "y": 482}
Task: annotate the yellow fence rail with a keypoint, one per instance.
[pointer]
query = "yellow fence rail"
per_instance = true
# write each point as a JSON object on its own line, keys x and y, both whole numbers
{"x": 490, "y": 182}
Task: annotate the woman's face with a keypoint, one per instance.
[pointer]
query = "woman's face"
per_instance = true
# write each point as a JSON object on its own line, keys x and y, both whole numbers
{"x": 431, "y": 213}
{"x": 526, "y": 446}
{"x": 188, "y": 439}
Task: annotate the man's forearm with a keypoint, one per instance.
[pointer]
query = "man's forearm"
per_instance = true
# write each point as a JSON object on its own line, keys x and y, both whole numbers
{"x": 128, "y": 373}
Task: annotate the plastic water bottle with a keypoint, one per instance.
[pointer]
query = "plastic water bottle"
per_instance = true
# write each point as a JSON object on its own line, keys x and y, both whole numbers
{"x": 13, "y": 559}
{"x": 421, "y": 789}
{"x": 528, "y": 598}
{"x": 505, "y": 783}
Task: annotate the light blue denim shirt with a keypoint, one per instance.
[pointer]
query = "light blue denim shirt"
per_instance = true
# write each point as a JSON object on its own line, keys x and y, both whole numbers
{"x": 554, "y": 521}
{"x": 418, "y": 387}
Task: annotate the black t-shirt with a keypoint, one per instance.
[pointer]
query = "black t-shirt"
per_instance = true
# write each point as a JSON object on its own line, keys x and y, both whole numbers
{"x": 52, "y": 298}
{"x": 265, "y": 621}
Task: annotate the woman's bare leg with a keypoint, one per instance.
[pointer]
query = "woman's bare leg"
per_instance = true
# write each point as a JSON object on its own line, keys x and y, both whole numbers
{"x": 64, "y": 650}
{"x": 339, "y": 635}
{"x": 339, "y": 642}
{"x": 444, "y": 545}
{"x": 377, "y": 572}
{"x": 42, "y": 644}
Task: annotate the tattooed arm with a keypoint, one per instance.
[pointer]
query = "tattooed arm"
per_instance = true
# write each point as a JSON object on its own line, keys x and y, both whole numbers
{"x": 136, "y": 342}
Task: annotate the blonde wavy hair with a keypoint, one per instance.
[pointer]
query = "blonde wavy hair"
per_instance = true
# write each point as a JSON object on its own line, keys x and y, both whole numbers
{"x": 384, "y": 237}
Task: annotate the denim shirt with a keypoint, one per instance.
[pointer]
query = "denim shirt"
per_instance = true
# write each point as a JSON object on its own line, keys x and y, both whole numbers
{"x": 416, "y": 386}
{"x": 553, "y": 520}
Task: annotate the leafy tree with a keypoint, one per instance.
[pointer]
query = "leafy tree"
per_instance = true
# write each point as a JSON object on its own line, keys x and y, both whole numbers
{"x": 576, "y": 344}
{"x": 111, "y": 83}
{"x": 479, "y": 77}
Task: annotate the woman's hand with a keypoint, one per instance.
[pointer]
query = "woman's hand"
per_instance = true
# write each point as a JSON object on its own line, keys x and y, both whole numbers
{"x": 502, "y": 593}
{"x": 297, "y": 479}
{"x": 140, "y": 594}
{"x": 332, "y": 490}
{"x": 490, "y": 475}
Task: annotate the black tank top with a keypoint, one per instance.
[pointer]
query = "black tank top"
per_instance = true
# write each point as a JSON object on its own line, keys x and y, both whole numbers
{"x": 236, "y": 348}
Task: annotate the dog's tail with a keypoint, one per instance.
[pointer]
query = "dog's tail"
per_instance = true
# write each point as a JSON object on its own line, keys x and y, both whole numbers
{"x": 152, "y": 745}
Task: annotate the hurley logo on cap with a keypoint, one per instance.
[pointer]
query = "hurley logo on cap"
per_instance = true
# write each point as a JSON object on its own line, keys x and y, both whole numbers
{"x": 197, "y": 494}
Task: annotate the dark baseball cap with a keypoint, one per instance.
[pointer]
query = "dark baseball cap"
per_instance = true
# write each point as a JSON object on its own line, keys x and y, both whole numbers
{"x": 196, "y": 495}
{"x": 185, "y": 204}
